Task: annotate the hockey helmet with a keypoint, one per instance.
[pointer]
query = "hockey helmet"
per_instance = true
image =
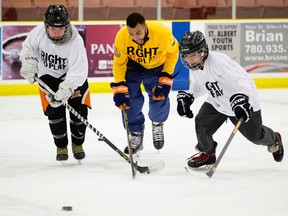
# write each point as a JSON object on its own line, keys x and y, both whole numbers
{"x": 192, "y": 42}
{"x": 56, "y": 16}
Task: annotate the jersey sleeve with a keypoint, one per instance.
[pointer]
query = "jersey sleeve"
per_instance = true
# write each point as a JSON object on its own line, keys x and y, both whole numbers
{"x": 31, "y": 43}
{"x": 120, "y": 58}
{"x": 78, "y": 63}
{"x": 171, "y": 53}
{"x": 236, "y": 76}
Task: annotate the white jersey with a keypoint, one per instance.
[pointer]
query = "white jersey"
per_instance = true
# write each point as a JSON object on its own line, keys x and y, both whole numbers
{"x": 68, "y": 60}
{"x": 220, "y": 79}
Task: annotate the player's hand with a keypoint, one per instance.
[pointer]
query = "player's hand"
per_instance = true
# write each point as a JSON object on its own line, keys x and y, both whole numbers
{"x": 241, "y": 106}
{"x": 163, "y": 86}
{"x": 29, "y": 68}
{"x": 184, "y": 101}
{"x": 121, "y": 95}
{"x": 53, "y": 103}
{"x": 65, "y": 90}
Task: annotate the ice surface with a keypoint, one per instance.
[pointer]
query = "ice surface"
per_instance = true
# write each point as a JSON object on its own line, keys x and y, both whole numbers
{"x": 33, "y": 183}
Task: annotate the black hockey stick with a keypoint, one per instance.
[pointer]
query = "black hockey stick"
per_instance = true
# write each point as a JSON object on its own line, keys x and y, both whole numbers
{"x": 142, "y": 169}
{"x": 133, "y": 167}
{"x": 213, "y": 168}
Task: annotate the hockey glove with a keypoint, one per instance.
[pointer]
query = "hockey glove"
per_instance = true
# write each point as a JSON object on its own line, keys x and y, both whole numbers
{"x": 53, "y": 103}
{"x": 241, "y": 107}
{"x": 184, "y": 101}
{"x": 163, "y": 86}
{"x": 64, "y": 92}
{"x": 121, "y": 95}
{"x": 29, "y": 68}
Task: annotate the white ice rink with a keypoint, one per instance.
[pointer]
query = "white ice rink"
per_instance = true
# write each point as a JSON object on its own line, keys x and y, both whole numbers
{"x": 247, "y": 181}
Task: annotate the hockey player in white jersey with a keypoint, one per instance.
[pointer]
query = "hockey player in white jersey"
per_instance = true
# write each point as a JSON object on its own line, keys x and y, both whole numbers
{"x": 54, "y": 51}
{"x": 231, "y": 94}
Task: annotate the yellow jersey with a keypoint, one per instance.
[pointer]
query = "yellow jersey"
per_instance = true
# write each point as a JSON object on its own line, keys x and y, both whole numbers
{"x": 160, "y": 49}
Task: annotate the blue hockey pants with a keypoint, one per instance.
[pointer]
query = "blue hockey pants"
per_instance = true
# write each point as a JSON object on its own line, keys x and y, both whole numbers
{"x": 158, "y": 110}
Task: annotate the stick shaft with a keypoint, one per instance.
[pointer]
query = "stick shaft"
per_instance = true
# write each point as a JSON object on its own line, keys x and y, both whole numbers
{"x": 125, "y": 115}
{"x": 213, "y": 168}
{"x": 90, "y": 126}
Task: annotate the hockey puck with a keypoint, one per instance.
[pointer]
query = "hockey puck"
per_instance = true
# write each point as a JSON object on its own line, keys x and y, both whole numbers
{"x": 67, "y": 208}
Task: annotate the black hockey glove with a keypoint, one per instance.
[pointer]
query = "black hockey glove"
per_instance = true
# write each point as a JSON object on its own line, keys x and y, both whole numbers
{"x": 241, "y": 107}
{"x": 184, "y": 101}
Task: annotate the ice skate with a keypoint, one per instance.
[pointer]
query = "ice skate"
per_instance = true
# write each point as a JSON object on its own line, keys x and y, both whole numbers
{"x": 136, "y": 140}
{"x": 62, "y": 155}
{"x": 78, "y": 152}
{"x": 277, "y": 148}
{"x": 158, "y": 135}
{"x": 202, "y": 160}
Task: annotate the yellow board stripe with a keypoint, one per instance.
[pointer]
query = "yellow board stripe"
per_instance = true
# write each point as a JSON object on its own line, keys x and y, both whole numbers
{"x": 104, "y": 87}
{"x": 18, "y": 89}
{"x": 271, "y": 82}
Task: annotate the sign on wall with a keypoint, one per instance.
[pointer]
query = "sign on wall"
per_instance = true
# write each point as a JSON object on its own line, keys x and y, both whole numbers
{"x": 98, "y": 40}
{"x": 259, "y": 47}
{"x": 99, "y": 47}
{"x": 264, "y": 47}
{"x": 224, "y": 38}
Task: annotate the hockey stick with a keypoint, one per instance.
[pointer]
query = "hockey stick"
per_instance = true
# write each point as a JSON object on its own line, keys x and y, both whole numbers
{"x": 213, "y": 168}
{"x": 129, "y": 142}
{"x": 142, "y": 169}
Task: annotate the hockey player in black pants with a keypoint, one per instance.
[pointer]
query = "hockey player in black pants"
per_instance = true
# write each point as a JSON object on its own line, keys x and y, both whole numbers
{"x": 231, "y": 94}
{"x": 54, "y": 51}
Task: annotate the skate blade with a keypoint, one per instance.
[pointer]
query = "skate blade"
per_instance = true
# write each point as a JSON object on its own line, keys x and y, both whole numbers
{"x": 62, "y": 162}
{"x": 79, "y": 162}
{"x": 204, "y": 168}
{"x": 199, "y": 172}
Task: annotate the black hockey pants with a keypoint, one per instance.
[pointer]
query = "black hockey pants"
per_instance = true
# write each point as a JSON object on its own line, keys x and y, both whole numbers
{"x": 209, "y": 120}
{"x": 57, "y": 116}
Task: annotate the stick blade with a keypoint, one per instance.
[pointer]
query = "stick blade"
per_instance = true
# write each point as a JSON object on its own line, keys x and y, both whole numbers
{"x": 211, "y": 172}
{"x": 153, "y": 168}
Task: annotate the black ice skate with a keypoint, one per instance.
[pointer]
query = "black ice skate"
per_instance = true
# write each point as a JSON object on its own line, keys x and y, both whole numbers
{"x": 62, "y": 154}
{"x": 158, "y": 135}
{"x": 78, "y": 152}
{"x": 277, "y": 148}
{"x": 136, "y": 139}
{"x": 202, "y": 159}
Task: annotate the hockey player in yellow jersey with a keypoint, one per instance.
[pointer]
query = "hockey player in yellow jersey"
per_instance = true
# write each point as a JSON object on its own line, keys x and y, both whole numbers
{"x": 144, "y": 52}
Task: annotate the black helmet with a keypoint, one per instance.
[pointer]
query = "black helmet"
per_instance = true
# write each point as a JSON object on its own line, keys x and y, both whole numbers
{"x": 56, "y": 16}
{"x": 193, "y": 42}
